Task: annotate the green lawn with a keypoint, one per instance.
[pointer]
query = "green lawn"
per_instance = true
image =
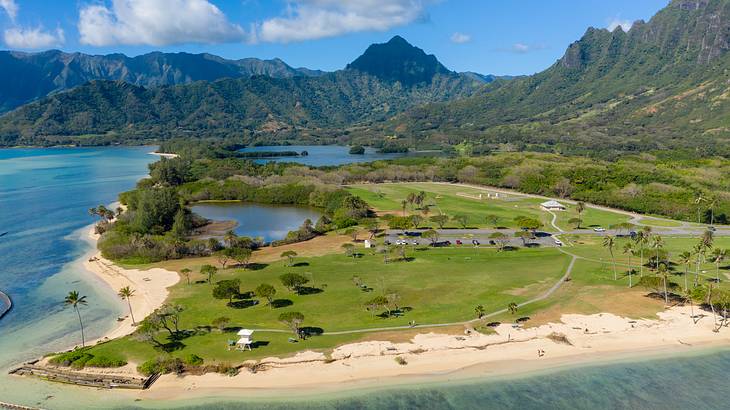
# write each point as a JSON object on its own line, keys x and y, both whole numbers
{"x": 664, "y": 223}
{"x": 439, "y": 285}
{"x": 455, "y": 199}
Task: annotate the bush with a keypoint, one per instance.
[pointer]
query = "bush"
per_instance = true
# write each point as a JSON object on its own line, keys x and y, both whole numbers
{"x": 193, "y": 360}
{"x": 161, "y": 365}
{"x": 401, "y": 360}
{"x": 106, "y": 361}
{"x": 78, "y": 359}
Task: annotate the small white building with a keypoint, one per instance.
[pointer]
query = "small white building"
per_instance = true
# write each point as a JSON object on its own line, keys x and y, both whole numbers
{"x": 553, "y": 206}
{"x": 368, "y": 244}
{"x": 246, "y": 339}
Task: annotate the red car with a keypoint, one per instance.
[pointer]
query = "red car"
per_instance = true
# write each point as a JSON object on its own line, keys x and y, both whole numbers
{"x": 458, "y": 242}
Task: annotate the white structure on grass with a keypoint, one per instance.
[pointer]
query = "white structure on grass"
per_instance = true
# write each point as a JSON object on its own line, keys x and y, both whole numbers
{"x": 246, "y": 339}
{"x": 553, "y": 206}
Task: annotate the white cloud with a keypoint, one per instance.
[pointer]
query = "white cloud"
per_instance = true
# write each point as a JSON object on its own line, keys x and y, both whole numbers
{"x": 314, "y": 19}
{"x": 33, "y": 38}
{"x": 156, "y": 22}
{"x": 615, "y": 23}
{"x": 460, "y": 38}
{"x": 520, "y": 48}
{"x": 10, "y": 7}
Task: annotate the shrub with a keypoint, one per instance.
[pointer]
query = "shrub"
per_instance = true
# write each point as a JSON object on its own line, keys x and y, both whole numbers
{"x": 193, "y": 360}
{"x": 161, "y": 365}
{"x": 106, "y": 361}
{"x": 401, "y": 360}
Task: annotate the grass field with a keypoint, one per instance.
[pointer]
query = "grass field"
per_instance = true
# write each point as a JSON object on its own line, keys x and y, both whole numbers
{"x": 456, "y": 199}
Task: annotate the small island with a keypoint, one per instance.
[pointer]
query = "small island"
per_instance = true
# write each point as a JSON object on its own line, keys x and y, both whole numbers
{"x": 357, "y": 150}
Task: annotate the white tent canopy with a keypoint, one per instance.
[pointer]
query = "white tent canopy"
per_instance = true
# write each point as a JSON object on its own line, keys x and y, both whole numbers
{"x": 552, "y": 205}
{"x": 245, "y": 332}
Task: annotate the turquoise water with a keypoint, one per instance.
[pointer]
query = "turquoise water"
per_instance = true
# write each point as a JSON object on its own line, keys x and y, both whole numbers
{"x": 321, "y": 155}
{"x": 44, "y": 195}
{"x": 255, "y": 220}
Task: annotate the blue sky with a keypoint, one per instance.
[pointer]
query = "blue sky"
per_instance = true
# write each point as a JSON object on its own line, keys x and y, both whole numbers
{"x": 486, "y": 36}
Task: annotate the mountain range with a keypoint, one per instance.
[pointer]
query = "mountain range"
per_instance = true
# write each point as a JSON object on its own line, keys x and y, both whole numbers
{"x": 664, "y": 84}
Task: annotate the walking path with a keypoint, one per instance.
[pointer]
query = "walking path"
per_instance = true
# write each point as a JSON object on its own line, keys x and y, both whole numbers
{"x": 542, "y": 297}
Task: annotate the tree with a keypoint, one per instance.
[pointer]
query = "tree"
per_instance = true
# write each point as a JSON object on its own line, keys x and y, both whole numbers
{"x": 404, "y": 204}
{"x": 393, "y": 300}
{"x": 167, "y": 316}
{"x": 376, "y": 303}
{"x": 293, "y": 320}
{"x": 492, "y": 220}
{"x": 221, "y": 322}
{"x": 349, "y": 249}
{"x": 230, "y": 238}
{"x": 461, "y": 219}
{"x": 629, "y": 250}
{"x": 609, "y": 243}
{"x": 227, "y": 289}
{"x": 289, "y": 255}
{"x": 416, "y": 221}
{"x": 75, "y": 300}
{"x": 663, "y": 273}
{"x": 431, "y": 235}
{"x": 242, "y": 256}
{"x": 512, "y": 307}
{"x": 181, "y": 225}
{"x": 267, "y": 292}
{"x": 685, "y": 258}
{"x": 425, "y": 210}
{"x": 718, "y": 255}
{"x": 641, "y": 239}
{"x": 580, "y": 207}
{"x": 440, "y": 220}
{"x": 576, "y": 222}
{"x": 126, "y": 293}
{"x": 479, "y": 310}
{"x": 225, "y": 255}
{"x": 500, "y": 239}
{"x": 373, "y": 226}
{"x": 209, "y": 271}
{"x": 657, "y": 243}
{"x": 524, "y": 236}
{"x": 186, "y": 273}
{"x": 528, "y": 224}
{"x": 293, "y": 281}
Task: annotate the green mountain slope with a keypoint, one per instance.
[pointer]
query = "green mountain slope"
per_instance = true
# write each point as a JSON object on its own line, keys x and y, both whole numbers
{"x": 664, "y": 84}
{"x": 257, "y": 106}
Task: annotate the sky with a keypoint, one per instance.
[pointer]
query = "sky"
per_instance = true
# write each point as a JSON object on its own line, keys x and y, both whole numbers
{"x": 503, "y": 37}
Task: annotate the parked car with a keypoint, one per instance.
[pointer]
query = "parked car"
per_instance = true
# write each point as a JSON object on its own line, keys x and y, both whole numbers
{"x": 711, "y": 228}
{"x": 386, "y": 242}
{"x": 558, "y": 242}
{"x": 599, "y": 229}
{"x": 458, "y": 242}
{"x": 474, "y": 242}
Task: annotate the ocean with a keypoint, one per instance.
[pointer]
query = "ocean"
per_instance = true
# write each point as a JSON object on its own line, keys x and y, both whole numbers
{"x": 44, "y": 197}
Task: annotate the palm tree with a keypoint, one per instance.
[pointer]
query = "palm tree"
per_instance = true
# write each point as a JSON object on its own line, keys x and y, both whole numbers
{"x": 403, "y": 205}
{"x": 699, "y": 251}
{"x": 657, "y": 243}
{"x": 698, "y": 201}
{"x": 688, "y": 298}
{"x": 629, "y": 249}
{"x": 479, "y": 310}
{"x": 580, "y": 207}
{"x": 707, "y": 239}
{"x": 126, "y": 293}
{"x": 512, "y": 307}
{"x": 74, "y": 300}
{"x": 610, "y": 242}
{"x": 685, "y": 258}
{"x": 718, "y": 255}
{"x": 663, "y": 272}
{"x": 186, "y": 272}
{"x": 711, "y": 206}
{"x": 710, "y": 287}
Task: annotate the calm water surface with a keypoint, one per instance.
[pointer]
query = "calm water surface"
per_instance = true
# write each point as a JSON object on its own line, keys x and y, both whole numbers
{"x": 321, "y": 155}
{"x": 270, "y": 222}
{"x": 44, "y": 195}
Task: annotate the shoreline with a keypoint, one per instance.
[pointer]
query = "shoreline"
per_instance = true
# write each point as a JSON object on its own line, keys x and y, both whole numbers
{"x": 578, "y": 340}
{"x": 150, "y": 287}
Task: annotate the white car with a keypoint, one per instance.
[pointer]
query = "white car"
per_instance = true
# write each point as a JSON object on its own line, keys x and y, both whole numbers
{"x": 599, "y": 229}
{"x": 558, "y": 242}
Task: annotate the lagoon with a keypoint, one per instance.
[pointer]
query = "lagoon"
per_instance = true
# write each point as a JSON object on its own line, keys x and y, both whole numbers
{"x": 322, "y": 155}
{"x": 270, "y": 222}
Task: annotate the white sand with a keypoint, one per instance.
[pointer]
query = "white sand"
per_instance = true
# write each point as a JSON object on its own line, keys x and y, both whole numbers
{"x": 164, "y": 154}
{"x": 150, "y": 287}
{"x": 509, "y": 351}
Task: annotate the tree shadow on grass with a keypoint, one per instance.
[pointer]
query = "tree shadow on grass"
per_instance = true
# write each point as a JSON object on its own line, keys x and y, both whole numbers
{"x": 171, "y": 346}
{"x": 259, "y": 343}
{"x": 256, "y": 266}
{"x": 308, "y": 290}
{"x": 243, "y": 304}
{"x": 280, "y": 303}
{"x": 300, "y": 264}
{"x": 311, "y": 330}
{"x": 532, "y": 245}
{"x": 509, "y": 248}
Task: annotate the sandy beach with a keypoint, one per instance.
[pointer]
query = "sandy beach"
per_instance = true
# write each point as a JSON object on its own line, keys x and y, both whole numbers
{"x": 576, "y": 339}
{"x": 150, "y": 287}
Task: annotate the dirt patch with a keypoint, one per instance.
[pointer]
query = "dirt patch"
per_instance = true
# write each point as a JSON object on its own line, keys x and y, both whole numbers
{"x": 214, "y": 228}
{"x": 407, "y": 335}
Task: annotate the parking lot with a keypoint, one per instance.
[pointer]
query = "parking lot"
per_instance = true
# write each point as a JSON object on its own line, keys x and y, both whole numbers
{"x": 467, "y": 237}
